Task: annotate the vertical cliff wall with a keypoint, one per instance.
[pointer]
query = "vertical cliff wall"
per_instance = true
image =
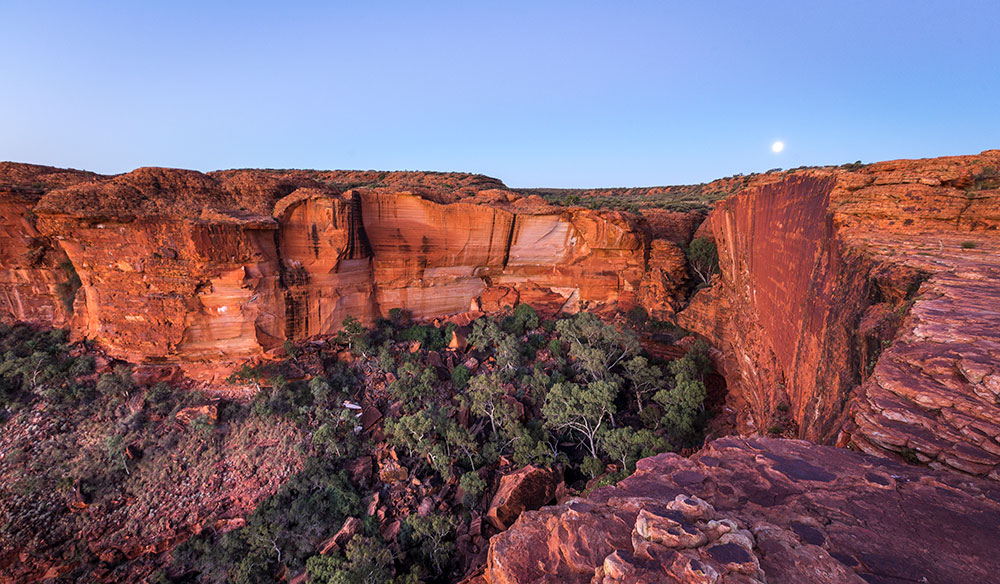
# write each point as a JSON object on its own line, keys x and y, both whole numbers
{"x": 326, "y": 262}
{"x": 162, "y": 290}
{"x": 431, "y": 258}
{"x": 858, "y": 301}
{"x": 35, "y": 276}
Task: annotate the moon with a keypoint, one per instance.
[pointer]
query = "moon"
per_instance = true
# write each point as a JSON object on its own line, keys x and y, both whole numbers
{"x": 777, "y": 146}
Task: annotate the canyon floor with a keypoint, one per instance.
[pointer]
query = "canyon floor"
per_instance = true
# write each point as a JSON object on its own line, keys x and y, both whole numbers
{"x": 360, "y": 376}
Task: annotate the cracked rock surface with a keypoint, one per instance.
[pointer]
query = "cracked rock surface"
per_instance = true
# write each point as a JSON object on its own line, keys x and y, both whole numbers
{"x": 762, "y": 510}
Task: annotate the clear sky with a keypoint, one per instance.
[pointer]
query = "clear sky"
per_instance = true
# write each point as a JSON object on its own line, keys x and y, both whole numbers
{"x": 559, "y": 94}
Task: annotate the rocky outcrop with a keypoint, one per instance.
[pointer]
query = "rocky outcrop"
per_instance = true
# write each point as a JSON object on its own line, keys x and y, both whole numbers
{"x": 856, "y": 299}
{"x": 175, "y": 268}
{"x": 756, "y": 510}
{"x": 663, "y": 285}
{"x": 36, "y": 279}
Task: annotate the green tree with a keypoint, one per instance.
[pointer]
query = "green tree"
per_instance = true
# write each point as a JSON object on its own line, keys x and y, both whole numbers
{"x": 247, "y": 373}
{"x": 118, "y": 385}
{"x": 487, "y": 394}
{"x": 583, "y": 409}
{"x": 365, "y": 561}
{"x": 414, "y": 386}
{"x": 336, "y": 434}
{"x": 485, "y": 333}
{"x": 472, "y": 486}
{"x": 354, "y": 335}
{"x": 626, "y": 446}
{"x": 524, "y": 318}
{"x": 597, "y": 347}
{"x": 685, "y": 400}
{"x": 703, "y": 257}
{"x": 434, "y": 535}
{"x": 508, "y": 356}
{"x": 460, "y": 376}
{"x": 644, "y": 378}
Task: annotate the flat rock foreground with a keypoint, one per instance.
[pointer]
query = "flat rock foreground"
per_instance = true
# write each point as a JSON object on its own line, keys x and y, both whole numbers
{"x": 761, "y": 510}
{"x": 855, "y": 309}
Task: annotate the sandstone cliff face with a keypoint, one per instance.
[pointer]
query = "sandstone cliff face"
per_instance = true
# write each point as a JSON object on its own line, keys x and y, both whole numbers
{"x": 326, "y": 262}
{"x": 431, "y": 258}
{"x": 35, "y": 278}
{"x": 179, "y": 268}
{"x": 756, "y": 510}
{"x": 824, "y": 270}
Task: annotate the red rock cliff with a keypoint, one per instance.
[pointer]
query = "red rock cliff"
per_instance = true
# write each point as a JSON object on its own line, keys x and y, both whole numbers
{"x": 862, "y": 300}
{"x": 203, "y": 271}
{"x": 35, "y": 276}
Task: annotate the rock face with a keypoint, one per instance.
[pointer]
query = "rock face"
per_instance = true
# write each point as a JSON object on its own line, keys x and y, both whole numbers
{"x": 756, "y": 510}
{"x": 35, "y": 276}
{"x": 174, "y": 267}
{"x": 326, "y": 262}
{"x": 865, "y": 300}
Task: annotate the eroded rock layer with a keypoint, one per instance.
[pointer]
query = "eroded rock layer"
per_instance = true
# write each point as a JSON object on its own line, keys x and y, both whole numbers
{"x": 202, "y": 271}
{"x": 761, "y": 510}
{"x": 36, "y": 280}
{"x": 885, "y": 277}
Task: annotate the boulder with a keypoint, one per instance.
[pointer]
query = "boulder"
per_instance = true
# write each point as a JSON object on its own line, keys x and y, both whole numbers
{"x": 350, "y": 527}
{"x": 209, "y": 412}
{"x": 527, "y": 488}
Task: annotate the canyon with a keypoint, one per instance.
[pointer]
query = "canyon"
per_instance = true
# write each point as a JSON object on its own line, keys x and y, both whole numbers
{"x": 859, "y": 303}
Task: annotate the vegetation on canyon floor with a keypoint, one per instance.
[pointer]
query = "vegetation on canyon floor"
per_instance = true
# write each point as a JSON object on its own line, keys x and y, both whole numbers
{"x": 576, "y": 395}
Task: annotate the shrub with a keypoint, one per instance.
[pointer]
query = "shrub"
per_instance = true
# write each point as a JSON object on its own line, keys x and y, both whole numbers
{"x": 485, "y": 333}
{"x": 429, "y": 336}
{"x": 117, "y": 385}
{"x": 460, "y": 376}
{"x": 556, "y": 348}
{"x": 637, "y": 316}
{"x": 969, "y": 245}
{"x": 523, "y": 319}
{"x": 367, "y": 561}
{"x": 282, "y": 530}
{"x": 472, "y": 486}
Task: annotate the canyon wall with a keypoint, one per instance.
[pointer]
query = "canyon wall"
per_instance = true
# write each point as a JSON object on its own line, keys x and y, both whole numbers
{"x": 177, "y": 268}
{"x": 36, "y": 279}
{"x": 863, "y": 303}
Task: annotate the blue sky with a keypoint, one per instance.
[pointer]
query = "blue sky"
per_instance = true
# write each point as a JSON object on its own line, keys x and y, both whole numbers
{"x": 560, "y": 94}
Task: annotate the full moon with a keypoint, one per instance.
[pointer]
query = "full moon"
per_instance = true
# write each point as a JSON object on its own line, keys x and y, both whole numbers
{"x": 777, "y": 146}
